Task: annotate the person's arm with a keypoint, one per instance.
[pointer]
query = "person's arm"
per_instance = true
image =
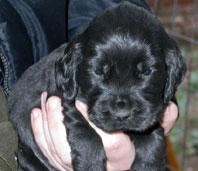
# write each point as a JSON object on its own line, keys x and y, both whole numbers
{"x": 50, "y": 135}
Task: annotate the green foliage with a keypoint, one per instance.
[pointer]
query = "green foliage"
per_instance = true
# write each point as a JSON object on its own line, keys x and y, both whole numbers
{"x": 195, "y": 56}
{"x": 194, "y": 81}
{"x": 177, "y": 133}
{"x": 181, "y": 99}
{"x": 194, "y": 141}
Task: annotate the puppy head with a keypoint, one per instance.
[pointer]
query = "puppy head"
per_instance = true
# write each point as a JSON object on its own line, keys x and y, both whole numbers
{"x": 126, "y": 68}
{"x": 128, "y": 83}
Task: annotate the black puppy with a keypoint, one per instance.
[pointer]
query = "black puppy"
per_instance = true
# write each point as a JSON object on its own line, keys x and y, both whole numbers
{"x": 126, "y": 68}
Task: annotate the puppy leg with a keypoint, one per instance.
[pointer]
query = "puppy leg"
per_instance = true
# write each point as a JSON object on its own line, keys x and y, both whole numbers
{"x": 86, "y": 146}
{"x": 150, "y": 151}
{"x": 28, "y": 161}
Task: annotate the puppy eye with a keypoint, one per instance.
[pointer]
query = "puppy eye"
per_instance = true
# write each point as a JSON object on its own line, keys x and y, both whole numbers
{"x": 103, "y": 70}
{"x": 143, "y": 69}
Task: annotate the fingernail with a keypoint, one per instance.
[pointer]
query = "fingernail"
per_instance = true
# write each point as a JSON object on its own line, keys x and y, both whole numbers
{"x": 81, "y": 105}
{"x": 44, "y": 95}
{"x": 35, "y": 114}
{"x": 52, "y": 104}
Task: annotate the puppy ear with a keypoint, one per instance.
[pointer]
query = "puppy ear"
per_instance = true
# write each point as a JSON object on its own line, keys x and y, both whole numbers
{"x": 65, "y": 71}
{"x": 176, "y": 69}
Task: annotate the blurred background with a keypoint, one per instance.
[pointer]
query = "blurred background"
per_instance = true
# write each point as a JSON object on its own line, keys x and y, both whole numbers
{"x": 180, "y": 18}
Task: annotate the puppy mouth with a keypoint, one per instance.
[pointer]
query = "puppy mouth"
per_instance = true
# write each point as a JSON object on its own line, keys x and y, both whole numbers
{"x": 110, "y": 122}
{"x": 122, "y": 117}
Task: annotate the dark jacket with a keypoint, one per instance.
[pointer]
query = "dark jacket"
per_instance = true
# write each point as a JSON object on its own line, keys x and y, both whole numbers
{"x": 29, "y": 30}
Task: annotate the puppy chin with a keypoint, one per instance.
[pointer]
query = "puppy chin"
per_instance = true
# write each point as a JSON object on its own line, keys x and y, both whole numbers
{"x": 134, "y": 125}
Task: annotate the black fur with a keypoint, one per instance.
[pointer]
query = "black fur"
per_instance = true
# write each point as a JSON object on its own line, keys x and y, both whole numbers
{"x": 126, "y": 68}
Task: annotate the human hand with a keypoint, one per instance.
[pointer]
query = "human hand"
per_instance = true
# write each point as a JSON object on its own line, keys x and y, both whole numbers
{"x": 170, "y": 117}
{"x": 50, "y": 135}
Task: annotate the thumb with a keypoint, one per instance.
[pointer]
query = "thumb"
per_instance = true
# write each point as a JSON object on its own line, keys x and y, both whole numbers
{"x": 82, "y": 108}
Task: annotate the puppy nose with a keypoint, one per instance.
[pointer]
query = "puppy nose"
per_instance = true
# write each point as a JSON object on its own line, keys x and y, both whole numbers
{"x": 122, "y": 103}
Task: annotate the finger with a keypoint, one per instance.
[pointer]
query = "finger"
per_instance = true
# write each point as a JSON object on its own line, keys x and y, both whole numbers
{"x": 115, "y": 149}
{"x": 57, "y": 130}
{"x": 169, "y": 117}
{"x": 82, "y": 108}
{"x": 52, "y": 152}
{"x": 45, "y": 122}
{"x": 37, "y": 128}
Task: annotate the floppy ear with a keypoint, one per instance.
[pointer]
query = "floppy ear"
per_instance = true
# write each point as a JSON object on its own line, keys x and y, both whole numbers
{"x": 65, "y": 71}
{"x": 176, "y": 69}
